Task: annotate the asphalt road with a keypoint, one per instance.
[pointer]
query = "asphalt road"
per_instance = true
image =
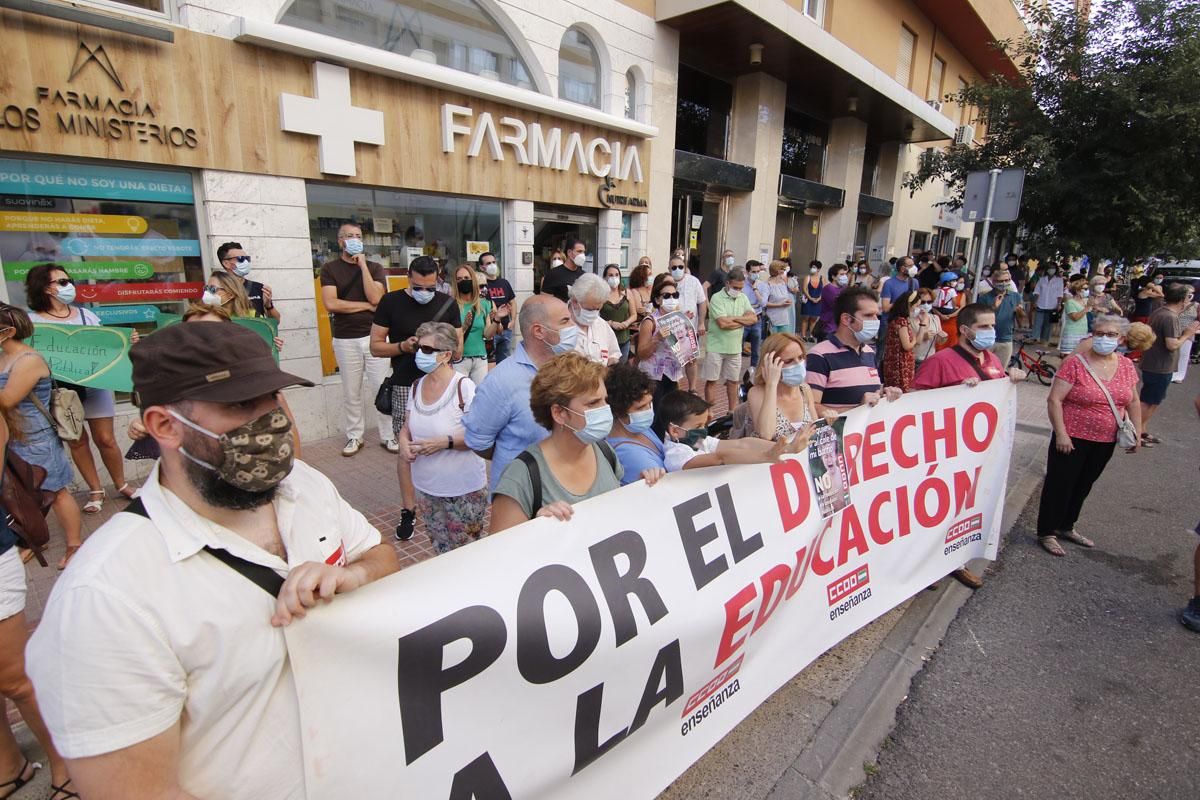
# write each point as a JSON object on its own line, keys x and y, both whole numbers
{"x": 1071, "y": 677}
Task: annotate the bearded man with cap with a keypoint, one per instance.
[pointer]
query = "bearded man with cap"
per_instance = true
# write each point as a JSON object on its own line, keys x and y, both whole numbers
{"x": 160, "y": 661}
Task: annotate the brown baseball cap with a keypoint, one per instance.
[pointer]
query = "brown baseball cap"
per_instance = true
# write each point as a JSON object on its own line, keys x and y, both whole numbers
{"x": 221, "y": 362}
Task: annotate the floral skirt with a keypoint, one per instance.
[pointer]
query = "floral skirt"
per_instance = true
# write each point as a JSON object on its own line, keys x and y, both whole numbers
{"x": 453, "y": 521}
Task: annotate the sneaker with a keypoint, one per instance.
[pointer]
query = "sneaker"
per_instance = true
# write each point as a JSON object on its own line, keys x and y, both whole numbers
{"x": 391, "y": 445}
{"x": 1190, "y": 615}
{"x": 352, "y": 447}
{"x": 408, "y": 521}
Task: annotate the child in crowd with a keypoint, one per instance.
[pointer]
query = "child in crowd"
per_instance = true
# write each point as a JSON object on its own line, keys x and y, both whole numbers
{"x": 687, "y": 444}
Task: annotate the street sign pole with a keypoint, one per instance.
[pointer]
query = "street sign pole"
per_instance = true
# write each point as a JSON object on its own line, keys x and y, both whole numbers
{"x": 987, "y": 226}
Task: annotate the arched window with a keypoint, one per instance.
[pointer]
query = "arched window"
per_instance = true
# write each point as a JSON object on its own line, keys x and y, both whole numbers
{"x": 631, "y": 95}
{"x": 578, "y": 69}
{"x": 459, "y": 34}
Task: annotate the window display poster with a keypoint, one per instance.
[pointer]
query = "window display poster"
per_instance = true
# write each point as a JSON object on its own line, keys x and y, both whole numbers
{"x": 477, "y": 249}
{"x": 124, "y": 235}
{"x": 827, "y": 465}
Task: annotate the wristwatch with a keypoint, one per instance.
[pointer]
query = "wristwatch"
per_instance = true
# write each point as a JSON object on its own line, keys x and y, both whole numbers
{"x": 449, "y": 442}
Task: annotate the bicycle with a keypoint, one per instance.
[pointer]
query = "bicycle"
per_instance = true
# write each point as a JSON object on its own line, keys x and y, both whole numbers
{"x": 1033, "y": 367}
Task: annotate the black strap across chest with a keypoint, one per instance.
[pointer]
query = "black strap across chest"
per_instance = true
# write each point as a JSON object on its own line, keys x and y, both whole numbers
{"x": 535, "y": 473}
{"x": 264, "y": 578}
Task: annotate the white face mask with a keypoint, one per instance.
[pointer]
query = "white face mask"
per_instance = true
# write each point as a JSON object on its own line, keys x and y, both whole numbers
{"x": 491, "y": 270}
{"x": 729, "y": 262}
{"x": 613, "y": 281}
{"x": 585, "y": 317}
{"x": 580, "y": 259}
{"x": 556, "y": 263}
{"x": 670, "y": 304}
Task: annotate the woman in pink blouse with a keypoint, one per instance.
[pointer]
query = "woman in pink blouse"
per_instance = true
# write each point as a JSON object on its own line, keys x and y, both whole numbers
{"x": 1085, "y": 429}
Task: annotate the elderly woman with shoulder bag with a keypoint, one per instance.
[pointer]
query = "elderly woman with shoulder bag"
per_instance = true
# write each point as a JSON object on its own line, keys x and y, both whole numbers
{"x": 1093, "y": 408}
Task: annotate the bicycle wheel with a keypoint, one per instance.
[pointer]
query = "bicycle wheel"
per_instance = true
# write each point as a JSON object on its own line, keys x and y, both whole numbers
{"x": 1045, "y": 372}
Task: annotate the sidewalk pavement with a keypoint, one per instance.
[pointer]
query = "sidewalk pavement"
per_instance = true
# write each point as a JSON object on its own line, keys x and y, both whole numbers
{"x": 808, "y": 739}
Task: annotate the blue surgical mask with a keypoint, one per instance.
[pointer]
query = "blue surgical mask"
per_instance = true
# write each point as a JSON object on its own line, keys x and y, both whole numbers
{"x": 597, "y": 424}
{"x": 426, "y": 362}
{"x": 843, "y": 279}
{"x": 242, "y": 267}
{"x": 66, "y": 294}
{"x": 984, "y": 340}
{"x": 677, "y": 273}
{"x": 353, "y": 247}
{"x": 423, "y": 296}
{"x": 794, "y": 374}
{"x": 566, "y": 340}
{"x": 1104, "y": 345}
{"x": 640, "y": 421}
{"x": 870, "y": 329}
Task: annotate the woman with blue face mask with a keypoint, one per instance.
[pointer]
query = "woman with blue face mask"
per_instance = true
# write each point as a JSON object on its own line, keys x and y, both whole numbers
{"x": 574, "y": 463}
{"x": 449, "y": 479}
{"x": 631, "y": 398}
{"x": 780, "y": 405}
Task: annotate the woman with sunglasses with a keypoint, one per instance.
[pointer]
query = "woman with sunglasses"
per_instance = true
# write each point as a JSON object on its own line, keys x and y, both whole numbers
{"x": 226, "y": 292}
{"x": 24, "y": 373}
{"x": 50, "y": 293}
{"x": 655, "y": 357}
{"x": 450, "y": 480}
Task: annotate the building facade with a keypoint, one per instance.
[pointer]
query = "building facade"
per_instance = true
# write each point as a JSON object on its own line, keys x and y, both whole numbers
{"x": 452, "y": 127}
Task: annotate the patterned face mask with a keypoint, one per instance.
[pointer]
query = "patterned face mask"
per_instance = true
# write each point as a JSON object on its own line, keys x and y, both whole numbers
{"x": 258, "y": 455}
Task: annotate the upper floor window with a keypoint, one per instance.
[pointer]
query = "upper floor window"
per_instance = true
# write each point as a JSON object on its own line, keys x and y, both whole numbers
{"x": 815, "y": 9}
{"x": 631, "y": 95}
{"x": 803, "y": 154}
{"x": 963, "y": 112}
{"x": 578, "y": 69}
{"x": 454, "y": 33}
{"x": 904, "y": 64}
{"x": 936, "y": 75}
{"x": 702, "y": 118}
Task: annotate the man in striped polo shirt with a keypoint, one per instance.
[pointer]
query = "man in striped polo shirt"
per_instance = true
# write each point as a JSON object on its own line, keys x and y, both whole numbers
{"x": 841, "y": 369}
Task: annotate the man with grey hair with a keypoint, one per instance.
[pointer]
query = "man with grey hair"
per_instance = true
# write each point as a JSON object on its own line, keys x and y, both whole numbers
{"x": 729, "y": 313}
{"x": 499, "y": 424}
{"x": 597, "y": 341}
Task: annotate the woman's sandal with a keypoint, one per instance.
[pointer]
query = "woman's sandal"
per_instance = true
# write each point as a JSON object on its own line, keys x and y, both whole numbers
{"x": 1149, "y": 440}
{"x": 127, "y": 491}
{"x": 1076, "y": 537}
{"x": 16, "y": 783}
{"x": 62, "y": 792}
{"x": 94, "y": 503}
{"x": 72, "y": 549}
{"x": 1050, "y": 545}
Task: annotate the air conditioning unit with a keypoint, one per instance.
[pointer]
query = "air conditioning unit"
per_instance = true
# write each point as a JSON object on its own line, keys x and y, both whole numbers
{"x": 964, "y": 134}
{"x": 937, "y": 104}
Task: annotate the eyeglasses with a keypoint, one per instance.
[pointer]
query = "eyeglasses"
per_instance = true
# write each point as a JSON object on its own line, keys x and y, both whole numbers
{"x": 429, "y": 351}
{"x": 1107, "y": 334}
{"x": 63, "y": 281}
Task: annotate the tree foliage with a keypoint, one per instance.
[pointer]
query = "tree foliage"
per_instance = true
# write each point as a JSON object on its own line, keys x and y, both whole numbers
{"x": 1105, "y": 120}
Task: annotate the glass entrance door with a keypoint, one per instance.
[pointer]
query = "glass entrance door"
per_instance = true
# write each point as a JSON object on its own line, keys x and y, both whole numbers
{"x": 553, "y": 227}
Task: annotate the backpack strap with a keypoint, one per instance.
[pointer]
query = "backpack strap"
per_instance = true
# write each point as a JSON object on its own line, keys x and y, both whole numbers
{"x": 610, "y": 455}
{"x": 264, "y": 578}
{"x": 535, "y": 480}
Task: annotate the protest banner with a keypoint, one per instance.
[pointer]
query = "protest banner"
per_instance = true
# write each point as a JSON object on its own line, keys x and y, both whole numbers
{"x": 265, "y": 327}
{"x": 86, "y": 355}
{"x": 680, "y": 335}
{"x": 601, "y": 657}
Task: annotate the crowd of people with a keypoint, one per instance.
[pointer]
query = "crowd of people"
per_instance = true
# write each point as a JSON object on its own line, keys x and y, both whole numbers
{"x": 499, "y": 412}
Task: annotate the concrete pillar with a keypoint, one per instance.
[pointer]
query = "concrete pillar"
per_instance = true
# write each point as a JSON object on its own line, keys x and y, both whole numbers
{"x": 608, "y": 244}
{"x": 665, "y": 95}
{"x": 756, "y": 140}
{"x": 638, "y": 236}
{"x": 843, "y": 169}
{"x": 887, "y": 187}
{"x": 516, "y": 260}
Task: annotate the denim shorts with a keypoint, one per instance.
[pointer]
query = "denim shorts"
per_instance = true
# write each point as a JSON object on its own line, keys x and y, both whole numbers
{"x": 1154, "y": 387}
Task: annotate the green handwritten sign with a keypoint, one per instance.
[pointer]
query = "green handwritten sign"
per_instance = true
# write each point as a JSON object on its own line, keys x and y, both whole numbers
{"x": 86, "y": 270}
{"x": 267, "y": 328}
{"x": 87, "y": 355}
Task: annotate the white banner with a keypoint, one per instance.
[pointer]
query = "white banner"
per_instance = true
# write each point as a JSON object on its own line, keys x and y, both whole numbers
{"x": 600, "y": 658}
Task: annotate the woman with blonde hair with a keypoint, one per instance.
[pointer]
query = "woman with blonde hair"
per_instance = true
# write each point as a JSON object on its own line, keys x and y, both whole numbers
{"x": 479, "y": 324}
{"x": 568, "y": 397}
{"x": 228, "y": 292}
{"x": 779, "y": 305}
{"x": 780, "y": 404}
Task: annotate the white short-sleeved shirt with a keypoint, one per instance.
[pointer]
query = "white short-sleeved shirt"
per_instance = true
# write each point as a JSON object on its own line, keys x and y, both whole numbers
{"x": 598, "y": 343}
{"x": 146, "y": 629}
{"x": 677, "y": 454}
{"x": 446, "y": 473}
{"x": 691, "y": 295}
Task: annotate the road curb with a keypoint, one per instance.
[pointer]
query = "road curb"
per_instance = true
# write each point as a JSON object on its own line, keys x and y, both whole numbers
{"x": 850, "y": 737}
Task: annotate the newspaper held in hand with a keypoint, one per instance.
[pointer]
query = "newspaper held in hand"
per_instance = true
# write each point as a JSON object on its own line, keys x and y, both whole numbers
{"x": 680, "y": 335}
{"x": 827, "y": 465}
